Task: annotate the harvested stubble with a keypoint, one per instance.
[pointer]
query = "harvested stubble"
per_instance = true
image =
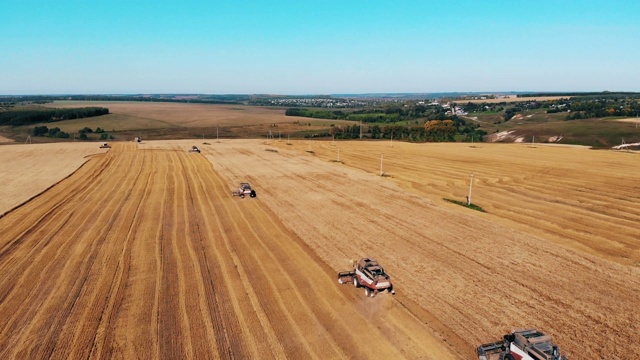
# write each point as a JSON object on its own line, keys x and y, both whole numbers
{"x": 145, "y": 254}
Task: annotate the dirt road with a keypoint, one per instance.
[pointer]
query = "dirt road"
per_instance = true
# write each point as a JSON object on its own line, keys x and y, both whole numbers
{"x": 144, "y": 254}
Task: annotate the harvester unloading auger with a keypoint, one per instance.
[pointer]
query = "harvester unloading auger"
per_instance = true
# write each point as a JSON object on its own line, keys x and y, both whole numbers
{"x": 367, "y": 273}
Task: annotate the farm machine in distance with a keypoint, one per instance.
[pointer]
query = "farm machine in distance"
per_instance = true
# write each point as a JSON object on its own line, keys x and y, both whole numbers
{"x": 194, "y": 149}
{"x": 105, "y": 146}
{"x": 528, "y": 344}
{"x": 367, "y": 273}
{"x": 243, "y": 190}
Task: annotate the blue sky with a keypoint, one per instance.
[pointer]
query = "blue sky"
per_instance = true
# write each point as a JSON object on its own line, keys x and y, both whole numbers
{"x": 317, "y": 47}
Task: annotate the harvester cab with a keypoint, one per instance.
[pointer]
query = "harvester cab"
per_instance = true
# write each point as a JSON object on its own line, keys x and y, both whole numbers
{"x": 368, "y": 274}
{"x": 529, "y": 344}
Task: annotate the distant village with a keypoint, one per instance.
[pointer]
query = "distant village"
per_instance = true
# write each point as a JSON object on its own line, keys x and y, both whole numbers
{"x": 337, "y": 103}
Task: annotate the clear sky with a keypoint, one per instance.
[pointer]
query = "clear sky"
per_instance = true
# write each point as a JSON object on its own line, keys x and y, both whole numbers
{"x": 317, "y": 47}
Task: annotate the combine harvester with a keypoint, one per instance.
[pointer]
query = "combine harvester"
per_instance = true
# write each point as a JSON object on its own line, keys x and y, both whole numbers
{"x": 105, "y": 146}
{"x": 367, "y": 273}
{"x": 194, "y": 149}
{"x": 528, "y": 344}
{"x": 243, "y": 190}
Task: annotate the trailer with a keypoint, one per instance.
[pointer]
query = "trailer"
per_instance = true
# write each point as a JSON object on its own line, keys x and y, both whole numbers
{"x": 529, "y": 344}
{"x": 368, "y": 274}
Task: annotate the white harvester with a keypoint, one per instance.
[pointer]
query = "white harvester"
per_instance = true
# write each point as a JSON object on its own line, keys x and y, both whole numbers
{"x": 243, "y": 190}
{"x": 367, "y": 273}
{"x": 529, "y": 344}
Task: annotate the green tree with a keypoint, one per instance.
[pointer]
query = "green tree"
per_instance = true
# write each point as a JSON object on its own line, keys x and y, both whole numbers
{"x": 40, "y": 130}
{"x": 54, "y": 131}
{"x": 375, "y": 132}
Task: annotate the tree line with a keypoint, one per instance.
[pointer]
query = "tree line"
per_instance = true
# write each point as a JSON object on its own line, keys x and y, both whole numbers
{"x": 57, "y": 133}
{"x": 431, "y": 131}
{"x": 389, "y": 114}
{"x": 598, "y": 108}
{"x": 35, "y": 116}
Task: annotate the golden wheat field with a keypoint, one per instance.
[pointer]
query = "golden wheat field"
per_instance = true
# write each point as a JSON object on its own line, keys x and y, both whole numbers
{"x": 143, "y": 252}
{"x": 28, "y": 169}
{"x": 130, "y": 115}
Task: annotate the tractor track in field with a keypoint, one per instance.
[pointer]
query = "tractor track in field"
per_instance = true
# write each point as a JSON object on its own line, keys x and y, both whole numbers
{"x": 471, "y": 276}
{"x": 145, "y": 254}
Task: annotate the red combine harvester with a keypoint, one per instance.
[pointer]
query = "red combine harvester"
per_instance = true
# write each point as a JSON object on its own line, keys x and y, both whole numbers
{"x": 367, "y": 273}
{"x": 528, "y": 344}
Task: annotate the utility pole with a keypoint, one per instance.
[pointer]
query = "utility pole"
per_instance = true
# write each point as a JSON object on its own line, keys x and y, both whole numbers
{"x": 381, "y": 172}
{"x": 470, "y": 186}
{"x": 338, "y": 153}
{"x": 217, "y": 137}
{"x": 360, "y": 129}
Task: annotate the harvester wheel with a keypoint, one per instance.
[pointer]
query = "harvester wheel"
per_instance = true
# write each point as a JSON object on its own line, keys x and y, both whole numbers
{"x": 509, "y": 357}
{"x": 253, "y": 193}
{"x": 367, "y": 292}
{"x": 355, "y": 282}
{"x": 241, "y": 196}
